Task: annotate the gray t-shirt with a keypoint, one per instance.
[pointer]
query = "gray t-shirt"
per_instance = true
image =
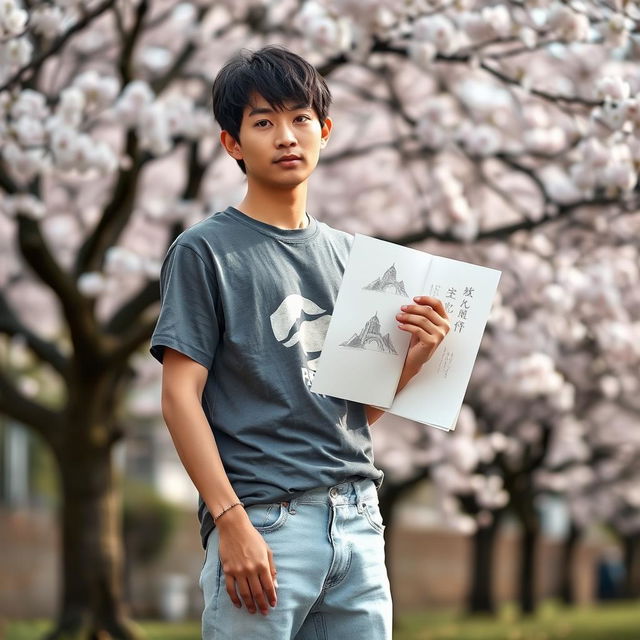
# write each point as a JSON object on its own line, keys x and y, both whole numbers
{"x": 252, "y": 303}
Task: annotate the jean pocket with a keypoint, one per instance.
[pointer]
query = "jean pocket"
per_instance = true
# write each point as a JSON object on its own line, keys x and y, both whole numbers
{"x": 267, "y": 517}
{"x": 374, "y": 517}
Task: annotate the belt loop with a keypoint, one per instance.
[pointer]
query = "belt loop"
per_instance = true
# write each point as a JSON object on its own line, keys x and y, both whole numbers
{"x": 291, "y": 505}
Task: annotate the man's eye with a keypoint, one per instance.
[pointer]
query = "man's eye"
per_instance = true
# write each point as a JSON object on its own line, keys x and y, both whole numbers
{"x": 257, "y": 124}
{"x": 306, "y": 117}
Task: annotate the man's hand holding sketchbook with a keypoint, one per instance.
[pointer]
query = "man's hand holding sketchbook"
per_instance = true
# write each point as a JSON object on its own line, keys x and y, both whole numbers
{"x": 399, "y": 312}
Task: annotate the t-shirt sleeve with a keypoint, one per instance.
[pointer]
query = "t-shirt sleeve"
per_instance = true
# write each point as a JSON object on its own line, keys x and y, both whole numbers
{"x": 188, "y": 301}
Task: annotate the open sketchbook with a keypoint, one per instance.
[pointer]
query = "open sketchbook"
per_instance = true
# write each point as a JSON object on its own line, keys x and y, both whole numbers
{"x": 364, "y": 350}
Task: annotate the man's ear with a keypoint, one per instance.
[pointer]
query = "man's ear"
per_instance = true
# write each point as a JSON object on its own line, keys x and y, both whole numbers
{"x": 231, "y": 145}
{"x": 325, "y": 132}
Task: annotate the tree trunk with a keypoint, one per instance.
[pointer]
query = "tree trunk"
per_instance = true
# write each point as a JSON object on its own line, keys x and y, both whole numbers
{"x": 387, "y": 502}
{"x": 529, "y": 545}
{"x": 390, "y": 495}
{"x": 91, "y": 606}
{"x": 480, "y": 598}
{"x": 567, "y": 564}
{"x": 631, "y": 588}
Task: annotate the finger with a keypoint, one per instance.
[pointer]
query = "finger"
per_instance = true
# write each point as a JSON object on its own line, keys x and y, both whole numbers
{"x": 425, "y": 339}
{"x": 435, "y": 303}
{"x": 426, "y": 311}
{"x": 271, "y": 592}
{"x": 419, "y": 321}
{"x": 442, "y": 322}
{"x": 257, "y": 588}
{"x": 246, "y": 594}
{"x": 268, "y": 588}
{"x": 231, "y": 590}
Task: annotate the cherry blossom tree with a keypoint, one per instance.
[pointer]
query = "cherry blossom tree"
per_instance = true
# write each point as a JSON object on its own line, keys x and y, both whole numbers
{"x": 463, "y": 122}
{"x": 566, "y": 346}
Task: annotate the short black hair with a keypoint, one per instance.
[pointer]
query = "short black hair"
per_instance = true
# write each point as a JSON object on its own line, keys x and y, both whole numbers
{"x": 277, "y": 74}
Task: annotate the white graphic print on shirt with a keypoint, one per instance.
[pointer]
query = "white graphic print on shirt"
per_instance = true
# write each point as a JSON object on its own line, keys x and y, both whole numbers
{"x": 290, "y": 327}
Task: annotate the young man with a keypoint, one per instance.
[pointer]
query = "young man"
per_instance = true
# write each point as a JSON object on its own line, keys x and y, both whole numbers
{"x": 286, "y": 477}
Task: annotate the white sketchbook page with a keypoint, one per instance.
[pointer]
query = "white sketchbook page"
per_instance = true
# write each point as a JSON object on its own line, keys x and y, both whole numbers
{"x": 435, "y": 395}
{"x": 369, "y": 372}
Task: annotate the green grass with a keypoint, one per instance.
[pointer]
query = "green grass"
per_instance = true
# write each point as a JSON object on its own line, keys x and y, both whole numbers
{"x": 552, "y": 622}
{"x": 610, "y": 622}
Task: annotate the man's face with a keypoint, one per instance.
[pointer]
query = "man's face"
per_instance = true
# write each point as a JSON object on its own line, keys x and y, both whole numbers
{"x": 266, "y": 136}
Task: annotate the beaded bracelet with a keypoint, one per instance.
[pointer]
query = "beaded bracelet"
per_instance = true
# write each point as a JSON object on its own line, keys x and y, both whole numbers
{"x": 235, "y": 504}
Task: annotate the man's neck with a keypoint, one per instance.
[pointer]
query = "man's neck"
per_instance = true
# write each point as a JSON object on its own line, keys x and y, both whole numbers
{"x": 285, "y": 209}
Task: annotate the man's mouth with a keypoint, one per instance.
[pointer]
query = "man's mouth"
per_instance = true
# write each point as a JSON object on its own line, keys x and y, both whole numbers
{"x": 289, "y": 159}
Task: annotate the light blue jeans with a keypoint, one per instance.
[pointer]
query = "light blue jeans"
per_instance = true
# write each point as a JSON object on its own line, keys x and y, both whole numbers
{"x": 329, "y": 551}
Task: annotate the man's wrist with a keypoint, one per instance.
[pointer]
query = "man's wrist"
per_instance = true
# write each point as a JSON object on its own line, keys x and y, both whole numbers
{"x": 232, "y": 519}
{"x": 407, "y": 373}
{"x": 238, "y": 503}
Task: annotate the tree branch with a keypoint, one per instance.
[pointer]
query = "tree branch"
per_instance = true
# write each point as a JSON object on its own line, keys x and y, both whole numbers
{"x": 44, "y": 421}
{"x": 129, "y": 40}
{"x": 116, "y": 214}
{"x": 58, "y": 44}
{"x": 46, "y": 351}
{"x": 137, "y": 335}
{"x": 183, "y": 57}
{"x": 75, "y": 307}
{"x": 126, "y": 315}
{"x": 126, "y": 321}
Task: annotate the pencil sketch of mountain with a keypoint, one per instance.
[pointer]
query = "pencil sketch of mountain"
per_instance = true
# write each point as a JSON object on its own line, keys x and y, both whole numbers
{"x": 388, "y": 282}
{"x": 371, "y": 338}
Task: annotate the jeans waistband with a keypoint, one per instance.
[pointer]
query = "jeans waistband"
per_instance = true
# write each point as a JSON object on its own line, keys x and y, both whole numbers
{"x": 350, "y": 492}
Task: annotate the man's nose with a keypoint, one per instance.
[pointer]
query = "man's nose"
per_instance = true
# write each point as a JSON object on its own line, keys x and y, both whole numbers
{"x": 285, "y": 136}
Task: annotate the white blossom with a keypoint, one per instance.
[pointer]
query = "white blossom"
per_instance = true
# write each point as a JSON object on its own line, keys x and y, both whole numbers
{"x": 30, "y": 103}
{"x": 178, "y": 110}
{"x": 137, "y": 95}
{"x": 104, "y": 159}
{"x": 71, "y": 105}
{"x": 99, "y": 91}
{"x": 183, "y": 16}
{"x": 527, "y": 35}
{"x": 437, "y": 30}
{"x": 547, "y": 141}
{"x": 534, "y": 374}
{"x": 612, "y": 87}
{"x": 83, "y": 152}
{"x": 568, "y": 24}
{"x": 595, "y": 154}
{"x": 154, "y": 59}
{"x": 476, "y": 27}
{"x": 92, "y": 284}
{"x": 309, "y": 12}
{"x": 422, "y": 53}
{"x": 29, "y": 131}
{"x": 25, "y": 163}
{"x": 621, "y": 175}
{"x": 15, "y": 52}
{"x": 122, "y": 261}
{"x": 47, "y": 21}
{"x": 615, "y": 30}
{"x": 198, "y": 125}
{"x": 153, "y": 129}
{"x": 610, "y": 386}
{"x": 64, "y": 143}
{"x": 583, "y": 176}
{"x": 12, "y": 19}
{"x": 330, "y": 35}
{"x": 27, "y": 205}
{"x": 483, "y": 140}
{"x": 499, "y": 18}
